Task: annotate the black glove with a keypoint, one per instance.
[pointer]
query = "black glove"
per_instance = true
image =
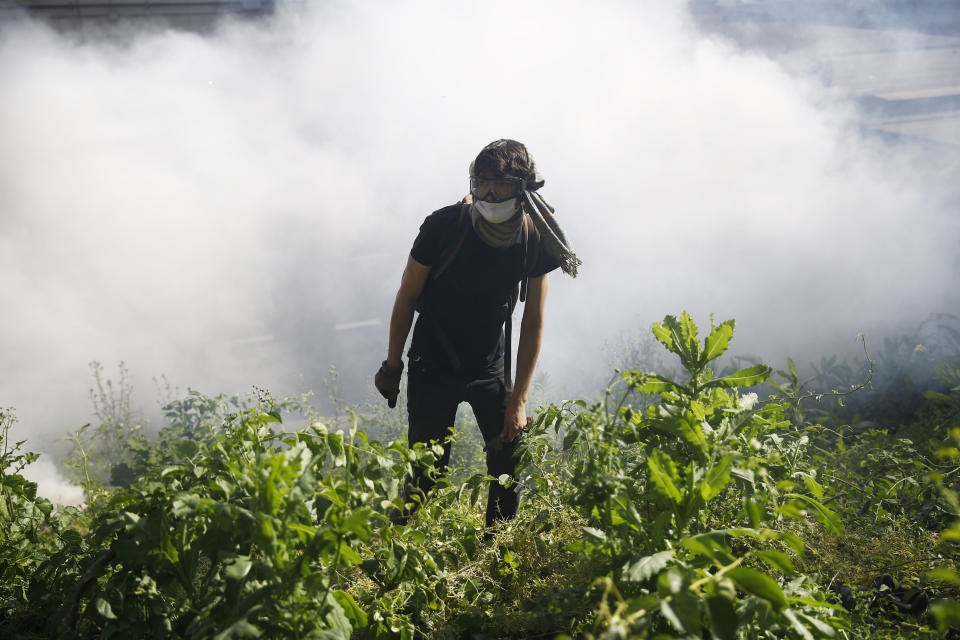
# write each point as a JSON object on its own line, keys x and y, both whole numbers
{"x": 387, "y": 382}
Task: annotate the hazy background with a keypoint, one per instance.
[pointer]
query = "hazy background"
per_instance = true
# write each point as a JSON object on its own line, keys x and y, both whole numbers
{"x": 234, "y": 207}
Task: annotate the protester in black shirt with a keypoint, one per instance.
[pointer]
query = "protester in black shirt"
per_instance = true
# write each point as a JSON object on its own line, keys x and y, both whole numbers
{"x": 463, "y": 275}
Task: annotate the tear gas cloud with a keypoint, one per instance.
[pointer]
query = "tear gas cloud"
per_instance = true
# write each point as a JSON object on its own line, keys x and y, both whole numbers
{"x": 52, "y": 485}
{"x": 234, "y": 208}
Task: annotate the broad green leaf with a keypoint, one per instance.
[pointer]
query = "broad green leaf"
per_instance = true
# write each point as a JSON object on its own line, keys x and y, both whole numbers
{"x": 616, "y": 519}
{"x": 185, "y": 448}
{"x": 711, "y": 545}
{"x": 652, "y": 383}
{"x": 683, "y": 612}
{"x": 647, "y": 567}
{"x": 947, "y": 613}
{"x": 744, "y": 474}
{"x": 684, "y": 339}
{"x": 136, "y": 443}
{"x": 417, "y": 537}
{"x": 793, "y": 541}
{"x": 745, "y": 532}
{"x": 663, "y": 334}
{"x": 689, "y": 334}
{"x": 628, "y": 511}
{"x": 758, "y": 584}
{"x": 692, "y": 432}
{"x": 828, "y": 518}
{"x": 814, "y": 603}
{"x": 661, "y": 525}
{"x": 350, "y": 609}
{"x": 640, "y": 603}
{"x": 335, "y": 443}
{"x": 698, "y": 410}
{"x": 71, "y": 537}
{"x": 239, "y": 568}
{"x": 267, "y": 532}
{"x": 595, "y": 534}
{"x": 104, "y": 609}
{"x": 307, "y": 532}
{"x": 723, "y": 618}
{"x": 951, "y": 533}
{"x": 755, "y": 510}
{"x": 743, "y": 378}
{"x": 937, "y": 397}
{"x": 336, "y": 618}
{"x": 239, "y": 629}
{"x": 944, "y": 574}
{"x": 169, "y": 551}
{"x": 44, "y": 505}
{"x": 347, "y": 555}
{"x": 717, "y": 478}
{"x": 663, "y": 474}
{"x": 792, "y": 509}
{"x": 718, "y": 341}
{"x": 225, "y": 486}
{"x": 358, "y": 523}
{"x": 777, "y": 559}
{"x": 797, "y": 626}
{"x": 814, "y": 487}
{"x": 823, "y": 628}
{"x": 671, "y": 582}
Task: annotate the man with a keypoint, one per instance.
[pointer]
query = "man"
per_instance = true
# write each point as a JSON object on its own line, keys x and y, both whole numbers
{"x": 463, "y": 275}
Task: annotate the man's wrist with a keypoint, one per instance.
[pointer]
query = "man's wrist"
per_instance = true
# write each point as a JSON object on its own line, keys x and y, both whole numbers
{"x": 396, "y": 363}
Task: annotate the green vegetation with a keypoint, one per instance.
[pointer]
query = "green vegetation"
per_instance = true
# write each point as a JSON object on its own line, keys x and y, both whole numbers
{"x": 689, "y": 503}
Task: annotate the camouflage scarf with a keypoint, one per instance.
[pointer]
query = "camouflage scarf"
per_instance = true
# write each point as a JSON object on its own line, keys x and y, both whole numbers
{"x": 501, "y": 234}
{"x": 554, "y": 240}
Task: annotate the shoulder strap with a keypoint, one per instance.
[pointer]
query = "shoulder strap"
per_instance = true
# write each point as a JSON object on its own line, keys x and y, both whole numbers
{"x": 450, "y": 252}
{"x": 446, "y": 257}
{"x": 530, "y": 249}
{"x": 531, "y": 252}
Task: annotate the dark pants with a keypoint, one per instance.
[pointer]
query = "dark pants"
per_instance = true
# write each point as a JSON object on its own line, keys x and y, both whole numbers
{"x": 433, "y": 396}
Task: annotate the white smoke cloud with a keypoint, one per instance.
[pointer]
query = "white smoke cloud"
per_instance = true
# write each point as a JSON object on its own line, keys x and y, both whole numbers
{"x": 170, "y": 198}
{"x": 52, "y": 485}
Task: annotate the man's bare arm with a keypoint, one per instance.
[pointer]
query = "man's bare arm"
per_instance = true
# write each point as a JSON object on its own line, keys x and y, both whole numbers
{"x": 531, "y": 335}
{"x": 411, "y": 286}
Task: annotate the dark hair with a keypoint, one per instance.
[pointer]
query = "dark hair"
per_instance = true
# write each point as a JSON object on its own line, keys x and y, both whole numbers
{"x": 503, "y": 158}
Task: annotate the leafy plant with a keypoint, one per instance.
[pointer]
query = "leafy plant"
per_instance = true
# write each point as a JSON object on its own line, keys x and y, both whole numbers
{"x": 681, "y": 501}
{"x": 31, "y": 532}
{"x": 678, "y": 505}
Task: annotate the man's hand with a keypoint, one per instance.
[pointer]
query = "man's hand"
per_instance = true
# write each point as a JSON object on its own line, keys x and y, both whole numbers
{"x": 387, "y": 382}
{"x": 514, "y": 421}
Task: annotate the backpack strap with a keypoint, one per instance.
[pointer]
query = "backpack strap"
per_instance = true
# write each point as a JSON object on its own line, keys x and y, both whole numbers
{"x": 529, "y": 251}
{"x": 450, "y": 252}
{"x": 446, "y": 257}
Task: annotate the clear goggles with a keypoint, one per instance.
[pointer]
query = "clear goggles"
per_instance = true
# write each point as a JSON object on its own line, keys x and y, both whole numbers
{"x": 496, "y": 189}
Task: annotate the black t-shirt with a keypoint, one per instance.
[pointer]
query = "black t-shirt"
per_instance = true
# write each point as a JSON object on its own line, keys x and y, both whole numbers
{"x": 470, "y": 300}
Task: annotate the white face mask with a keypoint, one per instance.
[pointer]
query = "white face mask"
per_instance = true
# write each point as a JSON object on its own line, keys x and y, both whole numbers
{"x": 496, "y": 212}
